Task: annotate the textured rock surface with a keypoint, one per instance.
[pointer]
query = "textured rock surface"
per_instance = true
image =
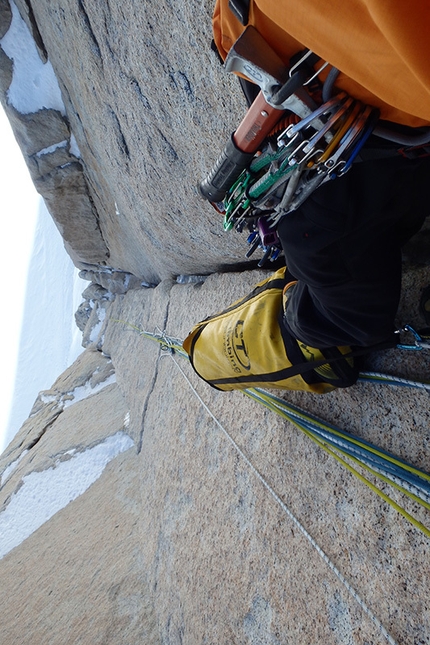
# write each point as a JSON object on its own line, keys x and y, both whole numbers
{"x": 65, "y": 192}
{"x": 80, "y": 578}
{"x": 26, "y": 12}
{"x": 45, "y": 140}
{"x": 150, "y": 108}
{"x": 6, "y": 73}
{"x": 37, "y": 131}
{"x": 179, "y": 541}
{"x": 5, "y": 17}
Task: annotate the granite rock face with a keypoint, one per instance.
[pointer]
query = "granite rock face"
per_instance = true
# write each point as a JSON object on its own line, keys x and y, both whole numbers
{"x": 78, "y": 577}
{"x": 5, "y": 17}
{"x": 150, "y": 108}
{"x": 46, "y": 141}
{"x": 179, "y": 540}
{"x": 138, "y": 505}
{"x": 44, "y": 138}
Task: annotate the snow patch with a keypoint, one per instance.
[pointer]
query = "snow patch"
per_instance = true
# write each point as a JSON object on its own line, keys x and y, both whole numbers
{"x": 45, "y": 493}
{"x": 74, "y": 148}
{"x": 49, "y": 149}
{"x": 101, "y": 315}
{"x": 9, "y": 470}
{"x": 34, "y": 84}
{"x": 79, "y": 393}
{"x": 84, "y": 391}
{"x": 47, "y": 398}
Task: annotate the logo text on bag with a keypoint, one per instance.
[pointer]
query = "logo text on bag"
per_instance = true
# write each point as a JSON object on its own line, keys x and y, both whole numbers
{"x": 235, "y": 348}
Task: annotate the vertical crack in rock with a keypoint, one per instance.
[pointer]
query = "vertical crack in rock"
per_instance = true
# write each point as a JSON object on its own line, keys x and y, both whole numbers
{"x": 122, "y": 143}
{"x": 97, "y": 217}
{"x": 154, "y": 380}
{"x": 181, "y": 81}
{"x": 86, "y": 20}
{"x": 137, "y": 89}
{"x": 167, "y": 148}
{"x": 35, "y": 32}
{"x": 43, "y": 431}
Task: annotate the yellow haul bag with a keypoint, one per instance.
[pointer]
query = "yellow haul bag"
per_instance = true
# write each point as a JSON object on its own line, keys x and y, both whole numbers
{"x": 243, "y": 346}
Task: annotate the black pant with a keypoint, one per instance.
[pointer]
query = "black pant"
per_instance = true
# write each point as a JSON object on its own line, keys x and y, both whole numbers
{"x": 344, "y": 247}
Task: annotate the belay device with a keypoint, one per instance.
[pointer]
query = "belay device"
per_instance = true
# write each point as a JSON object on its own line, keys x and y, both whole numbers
{"x": 261, "y": 176}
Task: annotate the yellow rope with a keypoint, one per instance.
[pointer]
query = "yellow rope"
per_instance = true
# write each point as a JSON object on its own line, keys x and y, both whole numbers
{"x": 397, "y": 462}
{"x": 267, "y": 403}
{"x": 374, "y": 488}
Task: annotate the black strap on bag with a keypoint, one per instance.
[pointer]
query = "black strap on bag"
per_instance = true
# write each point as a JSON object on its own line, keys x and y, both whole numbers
{"x": 338, "y": 370}
{"x": 301, "y": 368}
{"x": 347, "y": 375}
{"x": 341, "y": 364}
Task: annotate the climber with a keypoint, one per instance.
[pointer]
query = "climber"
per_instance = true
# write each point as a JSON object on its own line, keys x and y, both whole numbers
{"x": 343, "y": 244}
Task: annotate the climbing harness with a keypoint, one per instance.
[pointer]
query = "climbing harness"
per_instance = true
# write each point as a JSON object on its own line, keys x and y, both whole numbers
{"x": 290, "y": 169}
{"x": 262, "y": 176}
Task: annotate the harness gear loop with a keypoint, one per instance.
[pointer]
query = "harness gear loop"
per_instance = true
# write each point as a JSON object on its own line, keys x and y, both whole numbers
{"x": 331, "y": 133}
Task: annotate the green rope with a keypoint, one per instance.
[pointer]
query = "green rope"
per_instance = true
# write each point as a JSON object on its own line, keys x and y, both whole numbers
{"x": 265, "y": 399}
{"x": 295, "y": 411}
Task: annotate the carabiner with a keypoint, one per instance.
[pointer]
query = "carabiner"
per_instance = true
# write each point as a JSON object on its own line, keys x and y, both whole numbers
{"x": 293, "y": 129}
{"x": 366, "y": 132}
{"x": 420, "y": 343}
{"x": 305, "y": 56}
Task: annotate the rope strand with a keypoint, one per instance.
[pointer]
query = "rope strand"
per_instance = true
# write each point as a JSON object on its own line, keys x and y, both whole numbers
{"x": 401, "y": 475}
{"x": 293, "y": 518}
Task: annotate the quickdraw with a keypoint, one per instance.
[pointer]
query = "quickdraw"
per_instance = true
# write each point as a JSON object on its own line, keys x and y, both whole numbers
{"x": 289, "y": 169}
{"x": 258, "y": 179}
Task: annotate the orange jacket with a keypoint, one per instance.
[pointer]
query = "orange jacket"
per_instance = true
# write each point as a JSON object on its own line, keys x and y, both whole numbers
{"x": 381, "y": 47}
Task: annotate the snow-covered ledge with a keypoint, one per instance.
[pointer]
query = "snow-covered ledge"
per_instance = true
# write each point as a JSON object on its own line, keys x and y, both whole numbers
{"x": 31, "y": 96}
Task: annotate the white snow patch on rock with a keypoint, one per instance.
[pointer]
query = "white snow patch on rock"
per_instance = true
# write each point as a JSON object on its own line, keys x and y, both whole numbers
{"x": 45, "y": 493}
{"x": 34, "y": 84}
{"x": 101, "y": 315}
{"x": 84, "y": 391}
{"x": 49, "y": 149}
{"x": 74, "y": 148}
{"x": 9, "y": 470}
